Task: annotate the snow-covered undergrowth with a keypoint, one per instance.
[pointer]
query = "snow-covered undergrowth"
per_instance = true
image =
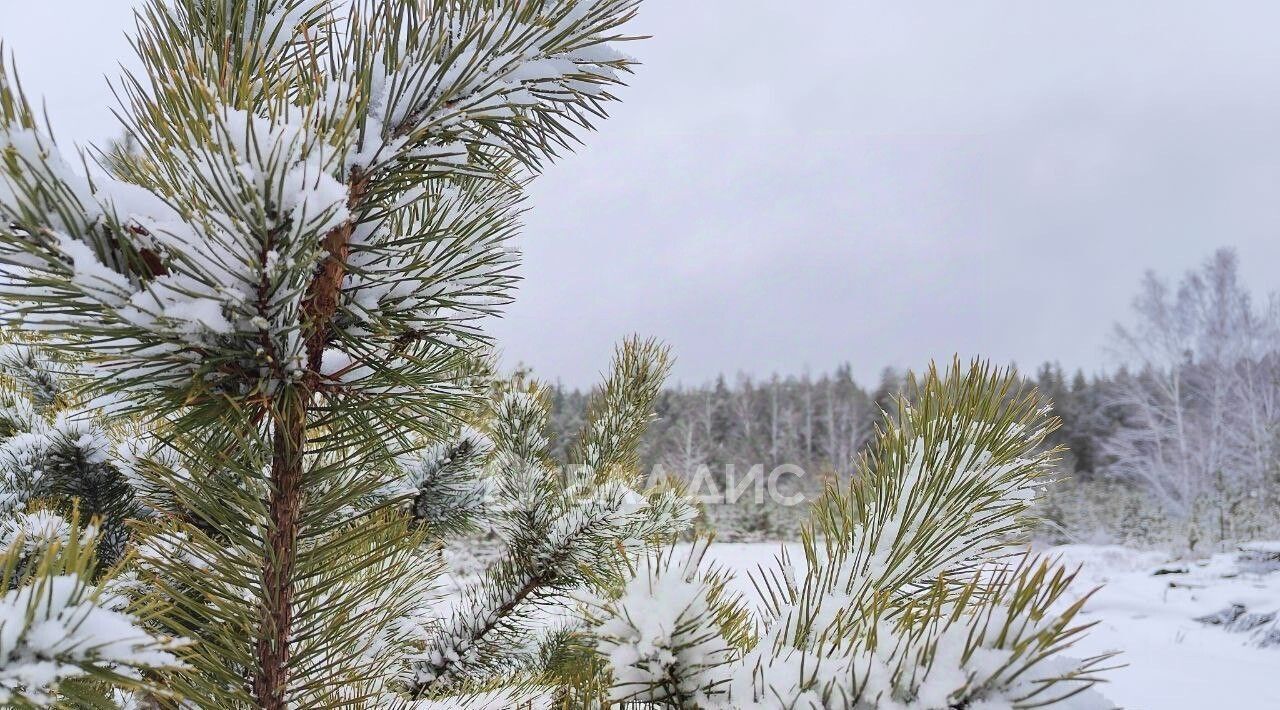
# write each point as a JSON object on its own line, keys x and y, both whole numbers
{"x": 1171, "y": 660}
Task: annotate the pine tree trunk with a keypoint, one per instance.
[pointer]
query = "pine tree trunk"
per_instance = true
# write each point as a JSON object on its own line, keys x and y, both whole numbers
{"x": 284, "y": 509}
{"x": 288, "y": 446}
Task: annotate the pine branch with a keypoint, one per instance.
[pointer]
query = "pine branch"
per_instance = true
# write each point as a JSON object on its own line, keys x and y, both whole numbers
{"x": 670, "y": 636}
{"x": 563, "y": 535}
{"x": 910, "y": 593}
{"x": 65, "y": 633}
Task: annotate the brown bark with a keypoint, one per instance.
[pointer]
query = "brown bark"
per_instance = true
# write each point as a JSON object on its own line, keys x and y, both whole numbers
{"x": 281, "y": 554}
{"x": 322, "y": 297}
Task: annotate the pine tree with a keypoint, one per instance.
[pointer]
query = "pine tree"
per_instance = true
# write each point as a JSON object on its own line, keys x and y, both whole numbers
{"x": 261, "y": 372}
{"x": 283, "y": 282}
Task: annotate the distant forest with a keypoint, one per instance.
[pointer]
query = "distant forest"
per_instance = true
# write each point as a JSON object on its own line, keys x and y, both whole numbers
{"x": 1184, "y": 436}
{"x": 820, "y": 423}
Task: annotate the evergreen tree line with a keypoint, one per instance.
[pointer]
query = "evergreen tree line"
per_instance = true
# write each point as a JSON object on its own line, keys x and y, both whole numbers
{"x": 821, "y": 422}
{"x": 1185, "y": 428}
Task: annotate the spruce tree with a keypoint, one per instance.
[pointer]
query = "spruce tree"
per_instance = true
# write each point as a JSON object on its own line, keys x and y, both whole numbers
{"x": 254, "y": 397}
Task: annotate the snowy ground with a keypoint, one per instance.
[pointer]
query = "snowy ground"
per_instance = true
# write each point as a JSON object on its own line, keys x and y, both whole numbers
{"x": 1173, "y": 662}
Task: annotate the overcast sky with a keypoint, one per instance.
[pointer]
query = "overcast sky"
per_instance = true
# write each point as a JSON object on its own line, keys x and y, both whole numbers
{"x": 794, "y": 185}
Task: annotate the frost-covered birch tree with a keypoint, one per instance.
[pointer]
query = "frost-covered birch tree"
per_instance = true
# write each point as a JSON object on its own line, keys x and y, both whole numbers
{"x": 1201, "y": 402}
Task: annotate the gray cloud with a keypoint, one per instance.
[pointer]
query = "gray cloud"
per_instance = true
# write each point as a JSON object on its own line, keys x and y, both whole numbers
{"x": 801, "y": 184}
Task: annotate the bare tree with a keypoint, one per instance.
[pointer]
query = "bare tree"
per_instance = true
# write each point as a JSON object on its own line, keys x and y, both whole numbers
{"x": 1199, "y": 402}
